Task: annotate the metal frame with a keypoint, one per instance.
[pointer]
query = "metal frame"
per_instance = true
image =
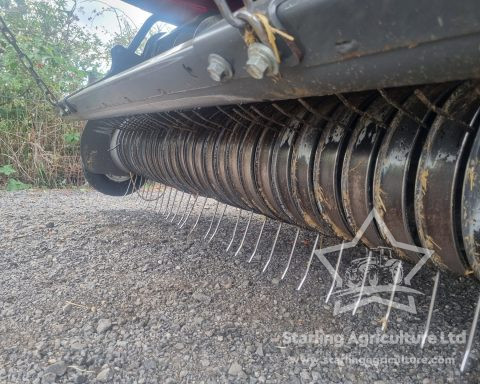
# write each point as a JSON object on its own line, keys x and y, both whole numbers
{"x": 347, "y": 45}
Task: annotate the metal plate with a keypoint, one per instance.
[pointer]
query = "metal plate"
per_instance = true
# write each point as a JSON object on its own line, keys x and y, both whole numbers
{"x": 189, "y": 148}
{"x": 439, "y": 175}
{"x": 209, "y": 154}
{"x": 221, "y": 164}
{"x": 470, "y": 215}
{"x": 328, "y": 164}
{"x": 232, "y": 166}
{"x": 199, "y": 163}
{"x": 282, "y": 167}
{"x": 263, "y": 162}
{"x": 359, "y": 164}
{"x": 303, "y": 156}
{"x": 246, "y": 165}
{"x": 395, "y": 172}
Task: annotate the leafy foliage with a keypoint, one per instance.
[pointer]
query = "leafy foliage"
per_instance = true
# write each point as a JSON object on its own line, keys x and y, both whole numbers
{"x": 71, "y": 137}
{"x": 16, "y": 185}
{"x": 7, "y": 170}
{"x": 42, "y": 149}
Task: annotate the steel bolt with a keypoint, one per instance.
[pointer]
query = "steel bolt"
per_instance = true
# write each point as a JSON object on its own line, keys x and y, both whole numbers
{"x": 218, "y": 68}
{"x": 261, "y": 61}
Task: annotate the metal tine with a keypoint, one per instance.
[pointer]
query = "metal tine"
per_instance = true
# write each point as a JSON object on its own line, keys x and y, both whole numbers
{"x": 128, "y": 186}
{"x": 146, "y": 195}
{"x": 185, "y": 210}
{"x": 149, "y": 198}
{"x": 218, "y": 223}
{"x": 163, "y": 198}
{"x": 244, "y": 234}
{"x": 258, "y": 240}
{"x": 234, "y": 230}
{"x": 212, "y": 220}
{"x": 310, "y": 261}
{"x": 362, "y": 287}
{"x": 173, "y": 203}
{"x": 199, "y": 216}
{"x": 471, "y": 336}
{"x": 336, "y": 273}
{"x": 439, "y": 111}
{"x": 297, "y": 232}
{"x": 168, "y": 201}
{"x": 178, "y": 208}
{"x": 142, "y": 192}
{"x": 394, "y": 288}
{"x": 157, "y": 200}
{"x": 273, "y": 248}
{"x": 430, "y": 309}
{"x": 189, "y": 212}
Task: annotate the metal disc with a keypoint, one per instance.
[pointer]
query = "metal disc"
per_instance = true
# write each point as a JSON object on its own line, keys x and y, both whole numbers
{"x": 470, "y": 216}
{"x": 282, "y": 168}
{"x": 209, "y": 154}
{"x": 439, "y": 174}
{"x": 303, "y": 192}
{"x": 199, "y": 164}
{"x": 232, "y": 166}
{"x": 359, "y": 164}
{"x": 395, "y": 171}
{"x": 263, "y": 162}
{"x": 246, "y": 165}
{"x": 328, "y": 164}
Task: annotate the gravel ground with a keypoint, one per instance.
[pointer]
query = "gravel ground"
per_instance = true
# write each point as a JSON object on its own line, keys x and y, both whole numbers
{"x": 98, "y": 289}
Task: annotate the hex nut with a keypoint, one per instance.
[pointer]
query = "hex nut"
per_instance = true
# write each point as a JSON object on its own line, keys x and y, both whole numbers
{"x": 261, "y": 61}
{"x": 218, "y": 68}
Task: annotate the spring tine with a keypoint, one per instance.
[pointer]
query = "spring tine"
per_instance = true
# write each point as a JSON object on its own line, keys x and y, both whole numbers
{"x": 430, "y": 309}
{"x": 199, "y": 215}
{"x": 149, "y": 198}
{"x": 144, "y": 194}
{"x": 128, "y": 186}
{"x": 168, "y": 202}
{"x": 336, "y": 274}
{"x": 189, "y": 212}
{"x": 178, "y": 208}
{"x": 234, "y": 230}
{"x": 273, "y": 248}
{"x": 364, "y": 279}
{"x": 394, "y": 288}
{"x": 218, "y": 223}
{"x": 471, "y": 336}
{"x": 310, "y": 261}
{"x": 244, "y": 234}
{"x": 258, "y": 239}
{"x": 211, "y": 221}
{"x": 291, "y": 253}
{"x": 162, "y": 199}
{"x": 185, "y": 210}
{"x": 173, "y": 203}
{"x": 147, "y": 195}
{"x": 157, "y": 200}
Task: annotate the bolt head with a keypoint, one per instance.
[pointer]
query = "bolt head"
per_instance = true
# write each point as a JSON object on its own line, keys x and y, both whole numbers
{"x": 218, "y": 68}
{"x": 257, "y": 65}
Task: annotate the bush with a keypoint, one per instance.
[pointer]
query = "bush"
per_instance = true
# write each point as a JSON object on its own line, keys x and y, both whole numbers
{"x": 37, "y": 148}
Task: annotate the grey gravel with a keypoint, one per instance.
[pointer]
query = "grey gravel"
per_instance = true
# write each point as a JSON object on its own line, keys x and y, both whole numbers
{"x": 103, "y": 325}
{"x": 99, "y": 289}
{"x": 58, "y": 369}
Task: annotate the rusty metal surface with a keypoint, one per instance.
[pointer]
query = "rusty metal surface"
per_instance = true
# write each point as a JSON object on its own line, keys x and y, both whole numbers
{"x": 470, "y": 211}
{"x": 440, "y": 170}
{"x": 360, "y": 161}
